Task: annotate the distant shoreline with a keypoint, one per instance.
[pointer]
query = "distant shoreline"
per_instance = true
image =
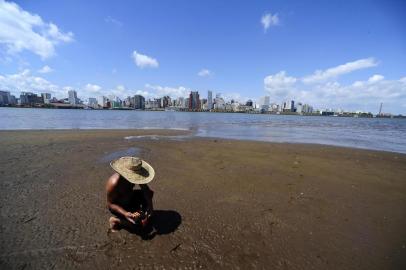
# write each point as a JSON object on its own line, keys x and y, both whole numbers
{"x": 330, "y": 114}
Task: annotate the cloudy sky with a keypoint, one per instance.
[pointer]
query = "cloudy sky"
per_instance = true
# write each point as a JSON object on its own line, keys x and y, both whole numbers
{"x": 331, "y": 54}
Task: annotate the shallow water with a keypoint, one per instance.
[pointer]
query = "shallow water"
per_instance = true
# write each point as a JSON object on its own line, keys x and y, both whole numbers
{"x": 132, "y": 151}
{"x": 378, "y": 134}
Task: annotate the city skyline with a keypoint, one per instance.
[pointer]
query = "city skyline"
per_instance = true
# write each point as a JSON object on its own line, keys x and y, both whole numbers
{"x": 191, "y": 103}
{"x": 337, "y": 66}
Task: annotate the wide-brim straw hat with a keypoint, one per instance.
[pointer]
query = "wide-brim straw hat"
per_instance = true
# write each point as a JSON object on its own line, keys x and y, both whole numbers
{"x": 134, "y": 169}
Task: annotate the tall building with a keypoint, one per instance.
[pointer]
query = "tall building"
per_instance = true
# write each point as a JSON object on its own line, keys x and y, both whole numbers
{"x": 219, "y": 103}
{"x": 288, "y": 106}
{"x": 102, "y": 101}
{"x": 249, "y": 103}
{"x": 299, "y": 108}
{"x": 72, "y": 97}
{"x": 264, "y": 103}
{"x": 30, "y": 99}
{"x": 209, "y": 100}
{"x": 139, "y": 102}
{"x": 92, "y": 102}
{"x": 180, "y": 102}
{"x": 152, "y": 104}
{"x": 306, "y": 108}
{"x": 165, "y": 102}
{"x": 46, "y": 98}
{"x": 194, "y": 101}
{"x": 159, "y": 101}
{"x": 5, "y": 98}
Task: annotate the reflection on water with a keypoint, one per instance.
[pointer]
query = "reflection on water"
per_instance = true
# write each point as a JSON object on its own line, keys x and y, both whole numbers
{"x": 132, "y": 151}
{"x": 158, "y": 137}
{"x": 379, "y": 134}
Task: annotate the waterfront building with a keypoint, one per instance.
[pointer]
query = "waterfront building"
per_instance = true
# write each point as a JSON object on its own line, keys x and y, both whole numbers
{"x": 244, "y": 108}
{"x": 165, "y": 101}
{"x": 194, "y": 101}
{"x": 115, "y": 102}
{"x": 205, "y": 106}
{"x": 249, "y": 103}
{"x": 128, "y": 102}
{"x": 46, "y": 98}
{"x": 102, "y": 101}
{"x": 152, "y": 104}
{"x": 72, "y": 97}
{"x": 219, "y": 104}
{"x": 209, "y": 100}
{"x": 299, "y": 108}
{"x": 264, "y": 103}
{"x": 114, "y": 98}
{"x": 292, "y": 106}
{"x": 5, "y": 98}
{"x": 235, "y": 106}
{"x": 92, "y": 102}
{"x": 273, "y": 107}
{"x": 30, "y": 99}
{"x": 13, "y": 100}
{"x": 306, "y": 108}
{"x": 180, "y": 102}
{"x": 228, "y": 107}
{"x": 286, "y": 106}
{"x": 139, "y": 102}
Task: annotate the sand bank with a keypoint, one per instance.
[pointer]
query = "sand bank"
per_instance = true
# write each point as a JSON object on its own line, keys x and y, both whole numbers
{"x": 221, "y": 203}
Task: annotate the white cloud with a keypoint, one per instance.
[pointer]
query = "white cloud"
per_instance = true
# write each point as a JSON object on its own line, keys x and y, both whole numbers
{"x": 174, "y": 92}
{"x": 21, "y": 30}
{"x": 376, "y": 78}
{"x": 26, "y": 82}
{"x": 323, "y": 75}
{"x": 373, "y": 79}
{"x": 93, "y": 88}
{"x": 269, "y": 20}
{"x": 142, "y": 60}
{"x": 45, "y": 69}
{"x": 114, "y": 21}
{"x": 204, "y": 73}
{"x": 364, "y": 95}
{"x": 278, "y": 84}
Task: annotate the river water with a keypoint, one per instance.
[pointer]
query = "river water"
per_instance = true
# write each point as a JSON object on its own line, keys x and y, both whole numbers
{"x": 377, "y": 134}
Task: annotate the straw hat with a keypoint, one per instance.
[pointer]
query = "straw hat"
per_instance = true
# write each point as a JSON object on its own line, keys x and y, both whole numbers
{"x": 134, "y": 169}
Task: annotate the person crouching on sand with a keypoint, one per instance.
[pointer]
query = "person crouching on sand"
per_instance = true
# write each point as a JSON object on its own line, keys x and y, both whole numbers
{"x": 132, "y": 208}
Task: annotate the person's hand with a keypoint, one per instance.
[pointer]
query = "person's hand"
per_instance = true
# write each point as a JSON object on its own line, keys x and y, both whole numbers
{"x": 145, "y": 218}
{"x": 144, "y": 221}
{"x": 132, "y": 217}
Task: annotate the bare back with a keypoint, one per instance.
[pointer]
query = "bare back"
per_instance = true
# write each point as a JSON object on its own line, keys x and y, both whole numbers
{"x": 119, "y": 191}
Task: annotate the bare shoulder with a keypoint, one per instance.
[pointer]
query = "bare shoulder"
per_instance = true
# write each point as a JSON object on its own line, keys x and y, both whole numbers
{"x": 112, "y": 182}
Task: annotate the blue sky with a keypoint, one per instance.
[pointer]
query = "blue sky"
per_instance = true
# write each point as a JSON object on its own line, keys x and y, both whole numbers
{"x": 338, "y": 54}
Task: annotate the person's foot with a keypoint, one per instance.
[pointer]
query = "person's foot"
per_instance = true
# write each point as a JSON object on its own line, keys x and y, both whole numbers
{"x": 114, "y": 224}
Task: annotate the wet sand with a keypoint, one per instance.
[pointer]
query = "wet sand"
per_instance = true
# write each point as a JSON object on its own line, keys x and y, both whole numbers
{"x": 221, "y": 204}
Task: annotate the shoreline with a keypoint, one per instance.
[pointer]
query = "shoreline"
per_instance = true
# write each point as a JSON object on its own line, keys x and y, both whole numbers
{"x": 183, "y": 133}
{"x": 363, "y": 115}
{"x": 220, "y": 203}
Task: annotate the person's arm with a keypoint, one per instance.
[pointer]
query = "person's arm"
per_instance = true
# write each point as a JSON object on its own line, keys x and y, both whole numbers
{"x": 115, "y": 208}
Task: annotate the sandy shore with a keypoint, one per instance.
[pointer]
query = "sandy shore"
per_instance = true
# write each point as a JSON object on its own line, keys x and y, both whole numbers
{"x": 221, "y": 204}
